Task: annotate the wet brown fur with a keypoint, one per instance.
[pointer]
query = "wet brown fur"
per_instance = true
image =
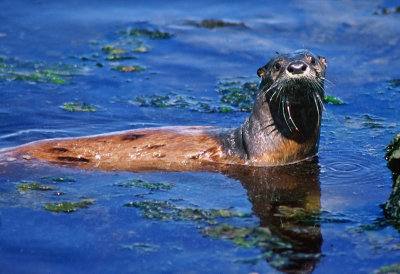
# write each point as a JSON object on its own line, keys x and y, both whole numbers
{"x": 169, "y": 148}
{"x": 263, "y": 140}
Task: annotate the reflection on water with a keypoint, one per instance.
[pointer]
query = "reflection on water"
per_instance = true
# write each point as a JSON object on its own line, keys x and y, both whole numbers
{"x": 287, "y": 201}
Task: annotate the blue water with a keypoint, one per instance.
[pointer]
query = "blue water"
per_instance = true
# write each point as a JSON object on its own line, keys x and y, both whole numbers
{"x": 350, "y": 177}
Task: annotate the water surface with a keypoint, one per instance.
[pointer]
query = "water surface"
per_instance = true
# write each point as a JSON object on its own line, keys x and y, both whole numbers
{"x": 53, "y": 53}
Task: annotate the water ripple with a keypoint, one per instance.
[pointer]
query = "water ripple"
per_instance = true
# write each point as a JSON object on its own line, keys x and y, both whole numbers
{"x": 351, "y": 167}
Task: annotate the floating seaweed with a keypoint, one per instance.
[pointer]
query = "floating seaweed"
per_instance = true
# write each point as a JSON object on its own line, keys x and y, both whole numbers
{"x": 32, "y": 185}
{"x": 165, "y": 211}
{"x": 67, "y": 206}
{"x": 77, "y": 106}
{"x": 13, "y": 70}
{"x": 151, "y": 34}
{"x": 63, "y": 179}
{"x": 392, "y": 205}
{"x": 146, "y": 185}
{"x": 235, "y": 97}
{"x": 389, "y": 269}
{"x": 333, "y": 100}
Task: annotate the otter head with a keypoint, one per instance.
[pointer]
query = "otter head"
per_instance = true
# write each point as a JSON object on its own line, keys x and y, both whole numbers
{"x": 294, "y": 82}
{"x": 294, "y": 75}
{"x": 284, "y": 124}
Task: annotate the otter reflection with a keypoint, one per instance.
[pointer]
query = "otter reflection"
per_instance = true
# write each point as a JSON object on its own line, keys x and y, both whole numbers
{"x": 287, "y": 201}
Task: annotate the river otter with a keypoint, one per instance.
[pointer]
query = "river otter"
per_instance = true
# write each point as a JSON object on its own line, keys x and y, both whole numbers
{"x": 283, "y": 127}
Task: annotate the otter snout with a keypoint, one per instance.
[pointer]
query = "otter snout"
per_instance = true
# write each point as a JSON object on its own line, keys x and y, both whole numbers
{"x": 297, "y": 67}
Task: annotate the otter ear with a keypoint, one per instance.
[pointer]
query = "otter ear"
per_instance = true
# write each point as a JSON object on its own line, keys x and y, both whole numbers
{"x": 323, "y": 61}
{"x": 261, "y": 71}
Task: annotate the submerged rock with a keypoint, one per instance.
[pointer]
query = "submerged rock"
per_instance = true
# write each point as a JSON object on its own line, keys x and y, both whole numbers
{"x": 215, "y": 23}
{"x": 392, "y": 206}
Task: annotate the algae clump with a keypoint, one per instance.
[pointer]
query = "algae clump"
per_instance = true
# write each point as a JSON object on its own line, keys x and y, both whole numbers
{"x": 146, "y": 185}
{"x": 152, "y": 34}
{"x": 77, "y": 106}
{"x": 333, "y": 100}
{"x": 67, "y": 206}
{"x": 234, "y": 97}
{"x": 395, "y": 268}
{"x": 33, "y": 186}
{"x": 392, "y": 205}
{"x": 11, "y": 69}
{"x": 165, "y": 211}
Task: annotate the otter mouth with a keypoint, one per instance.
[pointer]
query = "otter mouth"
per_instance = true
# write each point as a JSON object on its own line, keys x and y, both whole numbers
{"x": 296, "y": 92}
{"x": 300, "y": 89}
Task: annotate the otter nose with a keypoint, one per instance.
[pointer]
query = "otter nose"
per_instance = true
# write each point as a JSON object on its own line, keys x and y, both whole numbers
{"x": 297, "y": 67}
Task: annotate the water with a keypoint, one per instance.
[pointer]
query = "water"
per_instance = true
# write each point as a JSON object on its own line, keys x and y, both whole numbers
{"x": 342, "y": 189}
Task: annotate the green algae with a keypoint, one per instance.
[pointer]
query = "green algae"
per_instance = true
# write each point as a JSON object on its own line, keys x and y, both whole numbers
{"x": 392, "y": 205}
{"x": 67, "y": 206}
{"x": 151, "y": 34}
{"x": 123, "y": 47}
{"x": 78, "y": 107}
{"x": 112, "y": 50}
{"x": 63, "y": 179}
{"x": 32, "y": 185}
{"x": 393, "y": 155}
{"x": 333, "y": 100}
{"x": 389, "y": 269}
{"x": 146, "y": 185}
{"x": 116, "y": 53}
{"x": 235, "y": 96}
{"x": 134, "y": 68}
{"x": 278, "y": 252}
{"x": 170, "y": 100}
{"x": 239, "y": 235}
{"x": 12, "y": 69}
{"x": 166, "y": 211}
{"x": 119, "y": 58}
{"x": 39, "y": 77}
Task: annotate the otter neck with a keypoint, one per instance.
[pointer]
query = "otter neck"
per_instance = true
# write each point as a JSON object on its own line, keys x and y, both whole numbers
{"x": 297, "y": 121}
{"x": 271, "y": 136}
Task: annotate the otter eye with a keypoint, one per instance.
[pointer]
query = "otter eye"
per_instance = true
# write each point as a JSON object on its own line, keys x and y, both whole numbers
{"x": 311, "y": 60}
{"x": 277, "y": 66}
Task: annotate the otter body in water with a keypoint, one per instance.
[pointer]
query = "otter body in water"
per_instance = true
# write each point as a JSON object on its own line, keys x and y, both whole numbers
{"x": 283, "y": 127}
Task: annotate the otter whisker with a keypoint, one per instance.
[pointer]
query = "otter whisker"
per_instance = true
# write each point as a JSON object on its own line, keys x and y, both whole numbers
{"x": 318, "y": 111}
{"x": 327, "y": 80}
{"x": 267, "y": 89}
{"x": 280, "y": 97}
{"x": 320, "y": 101}
{"x": 284, "y": 115}
{"x": 270, "y": 99}
{"x": 290, "y": 116}
{"x": 276, "y": 90}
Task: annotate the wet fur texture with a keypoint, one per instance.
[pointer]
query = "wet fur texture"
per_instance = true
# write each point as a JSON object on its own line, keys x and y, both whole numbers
{"x": 283, "y": 127}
